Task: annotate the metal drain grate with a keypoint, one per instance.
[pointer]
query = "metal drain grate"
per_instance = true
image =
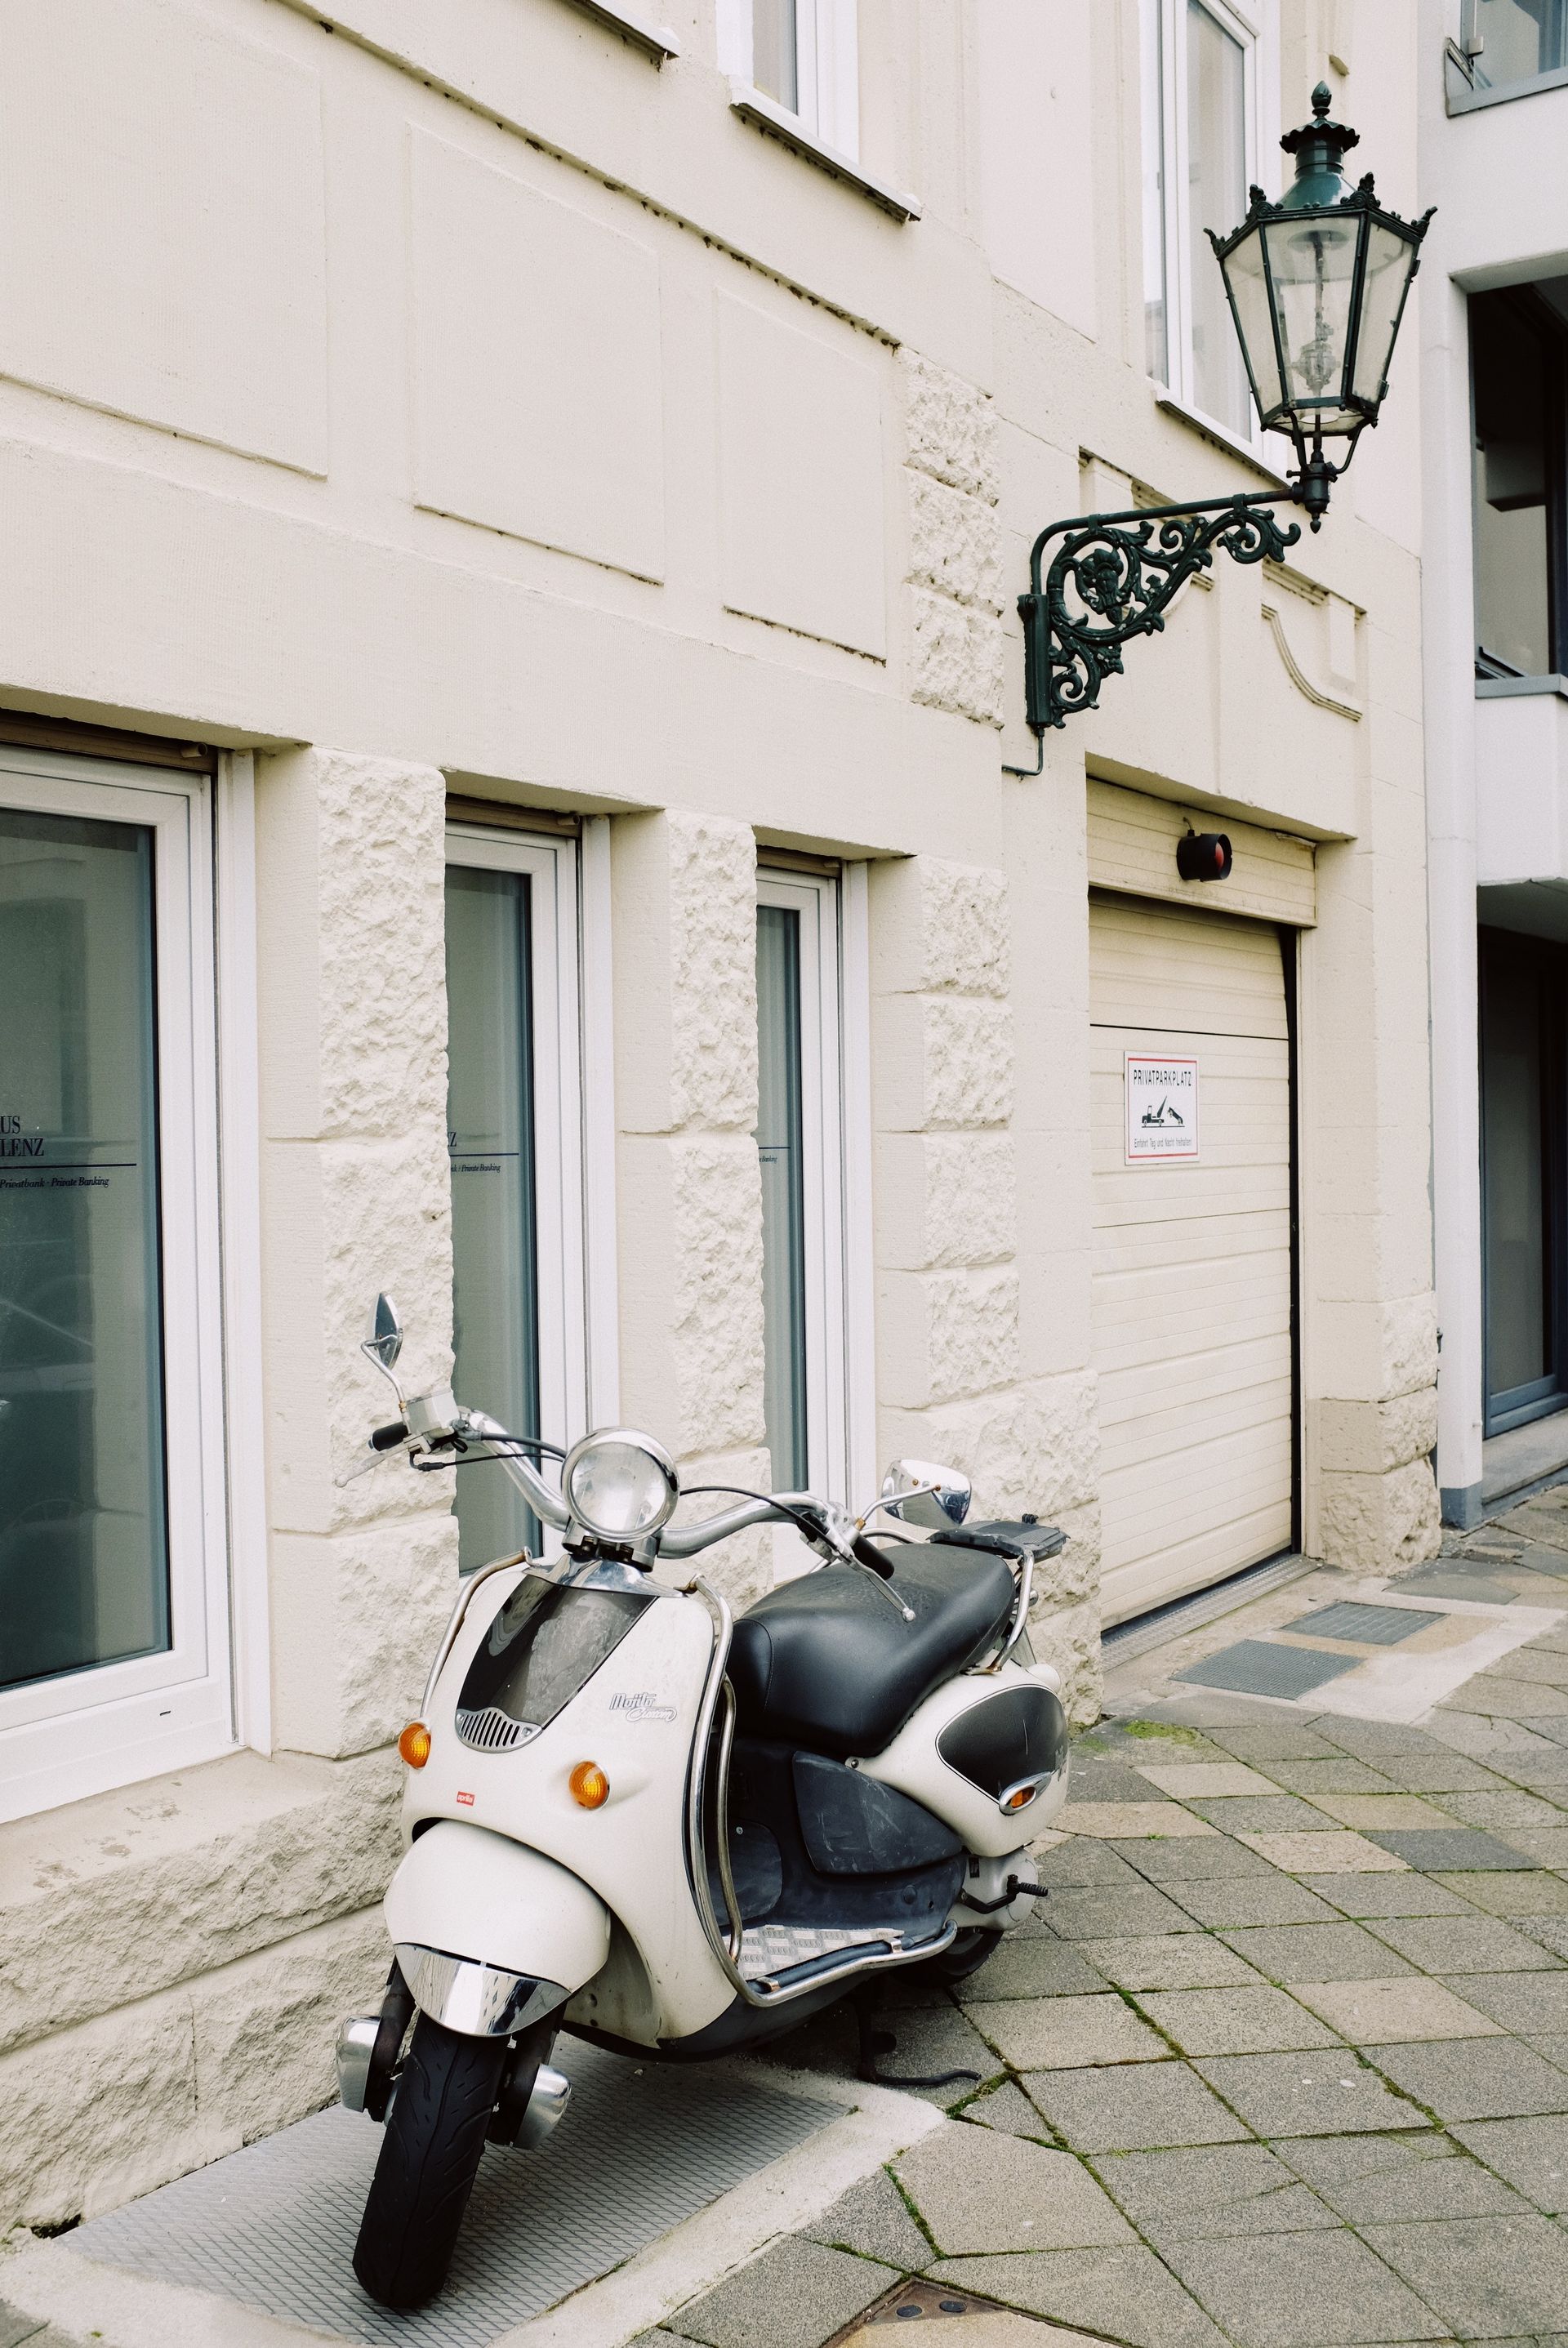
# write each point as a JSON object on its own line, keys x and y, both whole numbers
{"x": 1252, "y": 1667}
{"x": 1369, "y": 1626}
{"x": 642, "y": 2149}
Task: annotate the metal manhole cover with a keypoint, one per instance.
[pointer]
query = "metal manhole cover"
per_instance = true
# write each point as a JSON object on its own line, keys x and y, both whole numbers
{"x": 1369, "y": 1626}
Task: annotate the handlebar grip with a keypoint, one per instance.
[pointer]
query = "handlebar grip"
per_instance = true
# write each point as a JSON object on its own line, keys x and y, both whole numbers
{"x": 868, "y": 1554}
{"x": 384, "y": 1438}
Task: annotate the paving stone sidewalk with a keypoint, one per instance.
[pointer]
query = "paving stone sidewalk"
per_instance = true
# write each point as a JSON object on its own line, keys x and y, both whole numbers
{"x": 1283, "y": 2064}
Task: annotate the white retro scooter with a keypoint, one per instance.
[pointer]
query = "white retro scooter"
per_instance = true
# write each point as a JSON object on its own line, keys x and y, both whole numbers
{"x": 633, "y": 1817}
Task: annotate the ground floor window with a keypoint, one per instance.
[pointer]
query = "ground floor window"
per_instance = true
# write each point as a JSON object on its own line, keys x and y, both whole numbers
{"x": 1524, "y": 996}
{"x": 514, "y": 1134}
{"x": 800, "y": 1142}
{"x": 113, "y": 1622}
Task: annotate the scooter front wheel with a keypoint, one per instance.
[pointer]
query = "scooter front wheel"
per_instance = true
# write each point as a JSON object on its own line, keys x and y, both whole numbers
{"x": 447, "y": 2090}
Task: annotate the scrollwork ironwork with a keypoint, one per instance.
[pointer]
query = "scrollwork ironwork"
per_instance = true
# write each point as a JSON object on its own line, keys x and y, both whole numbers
{"x": 1114, "y": 577}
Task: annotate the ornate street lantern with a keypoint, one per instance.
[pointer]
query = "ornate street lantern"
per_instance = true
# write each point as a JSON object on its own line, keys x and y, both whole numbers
{"x": 1317, "y": 285}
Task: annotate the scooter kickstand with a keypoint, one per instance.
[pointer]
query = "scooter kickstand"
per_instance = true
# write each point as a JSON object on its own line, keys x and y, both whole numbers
{"x": 874, "y": 2041}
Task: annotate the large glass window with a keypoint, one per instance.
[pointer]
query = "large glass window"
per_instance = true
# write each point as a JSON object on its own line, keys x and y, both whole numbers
{"x": 1516, "y": 359}
{"x": 84, "y": 1556}
{"x": 1206, "y": 69}
{"x": 1515, "y": 40}
{"x": 780, "y": 1147}
{"x": 113, "y": 1567}
{"x": 513, "y": 1132}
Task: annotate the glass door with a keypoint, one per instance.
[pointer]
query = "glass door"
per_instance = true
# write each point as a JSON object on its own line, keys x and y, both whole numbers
{"x": 513, "y": 1136}
{"x": 1523, "y": 985}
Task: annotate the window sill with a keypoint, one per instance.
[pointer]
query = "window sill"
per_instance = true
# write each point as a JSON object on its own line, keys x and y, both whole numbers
{"x": 656, "y": 41}
{"x": 1220, "y": 434}
{"x": 768, "y": 115}
{"x": 1461, "y": 97}
{"x": 1506, "y": 688}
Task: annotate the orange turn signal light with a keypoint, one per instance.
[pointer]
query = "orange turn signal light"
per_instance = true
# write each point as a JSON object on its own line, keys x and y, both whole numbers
{"x": 413, "y": 1744}
{"x": 589, "y": 1786}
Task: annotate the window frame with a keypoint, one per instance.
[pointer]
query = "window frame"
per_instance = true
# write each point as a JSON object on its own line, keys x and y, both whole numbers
{"x": 553, "y": 863}
{"x": 836, "y": 1154}
{"x": 82, "y": 1732}
{"x": 1254, "y": 25}
{"x": 827, "y": 67}
{"x": 1547, "y": 324}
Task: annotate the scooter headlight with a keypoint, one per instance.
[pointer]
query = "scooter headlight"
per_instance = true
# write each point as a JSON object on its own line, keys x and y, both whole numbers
{"x": 620, "y": 1485}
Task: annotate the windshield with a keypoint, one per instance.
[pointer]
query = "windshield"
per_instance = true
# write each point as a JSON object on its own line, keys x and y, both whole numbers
{"x": 544, "y": 1646}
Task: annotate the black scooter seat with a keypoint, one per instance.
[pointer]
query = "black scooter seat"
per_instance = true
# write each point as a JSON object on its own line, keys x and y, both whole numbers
{"x": 827, "y": 1663}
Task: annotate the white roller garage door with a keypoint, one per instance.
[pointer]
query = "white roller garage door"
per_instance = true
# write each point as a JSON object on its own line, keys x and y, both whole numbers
{"x": 1193, "y": 1284}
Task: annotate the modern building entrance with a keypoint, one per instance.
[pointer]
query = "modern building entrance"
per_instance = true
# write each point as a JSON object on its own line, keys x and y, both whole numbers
{"x": 1522, "y": 986}
{"x": 1193, "y": 1275}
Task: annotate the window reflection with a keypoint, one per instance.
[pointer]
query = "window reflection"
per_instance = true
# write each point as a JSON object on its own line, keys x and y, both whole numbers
{"x": 780, "y": 1147}
{"x": 84, "y": 1562}
{"x": 491, "y": 1137}
{"x": 1217, "y": 197}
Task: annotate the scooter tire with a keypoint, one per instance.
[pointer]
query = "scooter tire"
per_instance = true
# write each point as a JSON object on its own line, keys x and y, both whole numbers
{"x": 968, "y": 1952}
{"x": 446, "y": 2092}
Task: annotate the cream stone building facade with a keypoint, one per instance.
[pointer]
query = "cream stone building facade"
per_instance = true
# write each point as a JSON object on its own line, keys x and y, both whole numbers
{"x": 512, "y": 707}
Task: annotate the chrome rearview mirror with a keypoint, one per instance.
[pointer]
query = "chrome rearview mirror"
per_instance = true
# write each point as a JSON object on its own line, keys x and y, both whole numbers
{"x": 382, "y": 1340}
{"x": 922, "y": 1493}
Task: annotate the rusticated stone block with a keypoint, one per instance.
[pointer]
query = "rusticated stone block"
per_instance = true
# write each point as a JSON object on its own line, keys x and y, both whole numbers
{"x": 967, "y": 1061}
{"x": 950, "y": 1199}
{"x": 742, "y": 1567}
{"x": 150, "y": 1887}
{"x": 1367, "y": 1438}
{"x": 1379, "y": 1524}
{"x": 381, "y": 883}
{"x": 713, "y": 972}
{"x": 265, "y": 2029}
{"x": 1069, "y": 1640}
{"x": 1409, "y": 1344}
{"x": 716, "y": 1229}
{"x": 114, "y": 2098}
{"x": 939, "y": 927}
{"x": 685, "y": 889}
{"x": 1035, "y": 1446}
{"x": 950, "y": 427}
{"x": 957, "y": 661}
{"x": 358, "y": 1614}
{"x": 956, "y": 542}
{"x": 972, "y": 1330}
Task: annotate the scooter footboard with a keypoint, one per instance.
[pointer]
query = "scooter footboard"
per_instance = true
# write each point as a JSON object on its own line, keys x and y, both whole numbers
{"x": 492, "y": 1928}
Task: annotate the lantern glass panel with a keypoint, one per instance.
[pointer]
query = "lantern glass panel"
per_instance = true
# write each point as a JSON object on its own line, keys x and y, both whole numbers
{"x": 1389, "y": 260}
{"x": 1248, "y": 282}
{"x": 1312, "y": 261}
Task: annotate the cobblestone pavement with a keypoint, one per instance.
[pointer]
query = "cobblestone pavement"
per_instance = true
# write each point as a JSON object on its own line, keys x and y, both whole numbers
{"x": 1284, "y": 2063}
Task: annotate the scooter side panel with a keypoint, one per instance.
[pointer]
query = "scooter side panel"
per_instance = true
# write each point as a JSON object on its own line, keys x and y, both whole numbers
{"x": 636, "y": 1719}
{"x": 474, "y": 1893}
{"x": 913, "y": 1763}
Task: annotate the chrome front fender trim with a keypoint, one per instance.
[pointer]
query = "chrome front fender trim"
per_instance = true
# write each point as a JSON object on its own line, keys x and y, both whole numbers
{"x": 478, "y": 2000}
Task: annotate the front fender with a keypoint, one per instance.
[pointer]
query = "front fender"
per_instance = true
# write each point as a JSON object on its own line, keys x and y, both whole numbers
{"x": 491, "y": 1902}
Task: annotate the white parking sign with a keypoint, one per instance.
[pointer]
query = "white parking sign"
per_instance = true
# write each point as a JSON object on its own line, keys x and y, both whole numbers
{"x": 1161, "y": 1109}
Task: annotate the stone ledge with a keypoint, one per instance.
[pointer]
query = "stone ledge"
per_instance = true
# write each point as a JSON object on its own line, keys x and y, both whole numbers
{"x": 111, "y": 1900}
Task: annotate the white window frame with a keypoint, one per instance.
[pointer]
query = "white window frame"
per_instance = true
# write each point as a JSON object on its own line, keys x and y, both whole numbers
{"x": 574, "y": 1116}
{"x": 835, "y": 1136}
{"x": 827, "y": 66}
{"x": 1256, "y": 24}
{"x": 83, "y": 1733}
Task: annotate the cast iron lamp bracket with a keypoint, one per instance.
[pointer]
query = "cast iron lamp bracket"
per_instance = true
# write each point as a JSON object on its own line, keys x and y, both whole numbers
{"x": 1317, "y": 286}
